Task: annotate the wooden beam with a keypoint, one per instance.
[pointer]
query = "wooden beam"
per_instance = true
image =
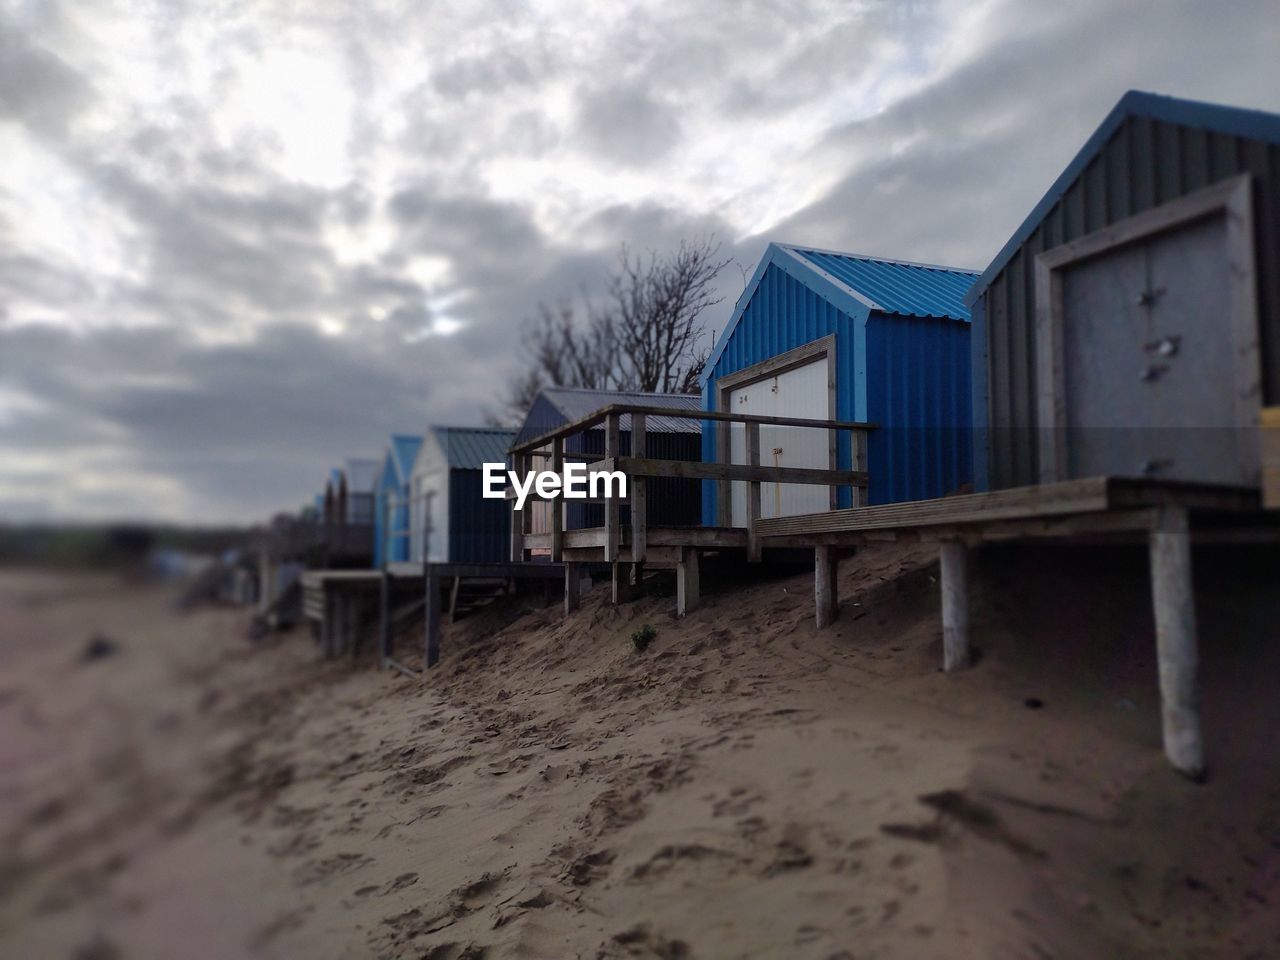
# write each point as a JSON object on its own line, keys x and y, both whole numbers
{"x": 955, "y": 605}
{"x": 431, "y": 627}
{"x": 519, "y": 464}
{"x": 697, "y": 470}
{"x": 612, "y": 450}
{"x": 1175, "y": 616}
{"x": 825, "y": 591}
{"x": 585, "y": 423}
{"x": 753, "y": 494}
{"x": 688, "y": 588}
{"x": 639, "y": 502}
{"x": 572, "y": 587}
{"x": 557, "y": 506}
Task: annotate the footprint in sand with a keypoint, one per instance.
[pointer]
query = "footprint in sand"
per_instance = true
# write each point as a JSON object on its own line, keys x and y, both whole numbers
{"x": 319, "y": 870}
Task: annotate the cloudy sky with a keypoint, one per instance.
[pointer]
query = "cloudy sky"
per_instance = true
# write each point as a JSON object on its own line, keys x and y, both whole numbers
{"x": 242, "y": 240}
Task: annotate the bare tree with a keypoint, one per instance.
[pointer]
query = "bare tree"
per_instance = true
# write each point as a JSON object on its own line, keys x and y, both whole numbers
{"x": 644, "y": 333}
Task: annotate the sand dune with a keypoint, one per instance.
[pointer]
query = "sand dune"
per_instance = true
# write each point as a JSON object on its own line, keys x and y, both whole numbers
{"x": 746, "y": 787}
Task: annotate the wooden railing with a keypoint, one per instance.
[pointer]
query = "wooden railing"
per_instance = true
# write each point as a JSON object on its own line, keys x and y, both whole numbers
{"x": 638, "y": 467}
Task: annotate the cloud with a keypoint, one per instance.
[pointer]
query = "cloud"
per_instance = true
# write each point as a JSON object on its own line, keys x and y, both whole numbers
{"x": 239, "y": 244}
{"x": 37, "y": 88}
{"x": 625, "y": 124}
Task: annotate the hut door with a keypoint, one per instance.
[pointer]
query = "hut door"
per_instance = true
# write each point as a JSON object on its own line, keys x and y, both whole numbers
{"x": 1148, "y": 360}
{"x": 801, "y": 391}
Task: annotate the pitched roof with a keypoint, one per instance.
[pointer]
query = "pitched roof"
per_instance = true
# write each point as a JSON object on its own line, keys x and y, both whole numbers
{"x": 1232, "y": 121}
{"x": 469, "y": 448}
{"x": 404, "y": 449}
{"x": 859, "y": 284}
{"x": 895, "y": 286}
{"x": 577, "y": 403}
{"x": 362, "y": 475}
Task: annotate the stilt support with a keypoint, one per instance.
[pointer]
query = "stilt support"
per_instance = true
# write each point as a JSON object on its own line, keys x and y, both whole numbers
{"x": 688, "y": 589}
{"x": 431, "y": 651}
{"x": 572, "y": 587}
{"x": 955, "y": 605}
{"x": 824, "y": 586}
{"x": 1175, "y": 616}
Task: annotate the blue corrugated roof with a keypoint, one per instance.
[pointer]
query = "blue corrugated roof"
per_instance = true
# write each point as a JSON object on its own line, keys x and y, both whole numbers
{"x": 1232, "y": 121}
{"x": 857, "y": 284}
{"x": 896, "y": 286}
{"x": 469, "y": 448}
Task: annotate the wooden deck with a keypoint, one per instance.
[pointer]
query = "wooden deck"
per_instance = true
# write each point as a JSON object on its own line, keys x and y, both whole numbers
{"x": 1167, "y": 514}
{"x": 1096, "y": 504}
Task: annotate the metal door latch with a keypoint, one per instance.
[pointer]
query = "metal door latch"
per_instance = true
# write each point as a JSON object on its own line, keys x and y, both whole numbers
{"x": 1165, "y": 346}
{"x": 1154, "y": 372}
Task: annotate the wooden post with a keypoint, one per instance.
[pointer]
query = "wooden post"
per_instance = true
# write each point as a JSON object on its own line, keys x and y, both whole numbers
{"x": 454, "y": 589}
{"x": 955, "y": 605}
{"x": 1175, "y": 616}
{"x": 687, "y": 586}
{"x": 384, "y": 620}
{"x": 858, "y": 461}
{"x": 557, "y": 505}
{"x": 518, "y": 462}
{"x": 639, "y": 518}
{"x": 355, "y": 616}
{"x": 620, "y": 583}
{"x": 572, "y": 587}
{"x": 753, "y": 493}
{"x": 612, "y": 449}
{"x": 266, "y": 581}
{"x": 431, "y": 647}
{"x": 824, "y": 586}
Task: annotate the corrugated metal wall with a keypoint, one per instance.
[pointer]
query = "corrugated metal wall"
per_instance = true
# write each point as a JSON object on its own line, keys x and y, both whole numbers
{"x": 479, "y": 528}
{"x": 1145, "y": 163}
{"x": 911, "y": 377}
{"x": 919, "y": 391}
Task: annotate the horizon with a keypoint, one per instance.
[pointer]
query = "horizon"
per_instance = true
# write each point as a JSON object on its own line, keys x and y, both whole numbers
{"x": 259, "y": 244}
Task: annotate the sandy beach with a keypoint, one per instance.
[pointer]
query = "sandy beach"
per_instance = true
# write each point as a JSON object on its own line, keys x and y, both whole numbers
{"x": 746, "y": 787}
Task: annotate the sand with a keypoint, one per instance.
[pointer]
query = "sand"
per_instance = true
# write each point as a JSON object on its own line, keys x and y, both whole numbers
{"x": 746, "y": 787}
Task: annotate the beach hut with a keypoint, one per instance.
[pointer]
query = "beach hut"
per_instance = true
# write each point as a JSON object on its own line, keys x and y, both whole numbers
{"x": 450, "y": 520}
{"x": 361, "y": 478}
{"x": 670, "y": 501}
{"x": 1131, "y": 325}
{"x": 391, "y": 508}
{"x": 825, "y": 335}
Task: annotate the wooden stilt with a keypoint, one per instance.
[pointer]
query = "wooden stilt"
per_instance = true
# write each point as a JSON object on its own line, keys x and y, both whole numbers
{"x": 334, "y": 620}
{"x": 1175, "y": 616}
{"x": 955, "y": 605}
{"x": 687, "y": 586}
{"x": 572, "y": 587}
{"x": 431, "y": 651}
{"x": 454, "y": 590}
{"x": 355, "y": 617}
{"x": 824, "y": 586}
{"x": 619, "y": 575}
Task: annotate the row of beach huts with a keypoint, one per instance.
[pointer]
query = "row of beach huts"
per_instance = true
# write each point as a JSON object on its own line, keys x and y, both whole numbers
{"x": 1114, "y": 372}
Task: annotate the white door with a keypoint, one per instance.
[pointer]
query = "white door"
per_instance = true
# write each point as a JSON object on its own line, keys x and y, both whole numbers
{"x": 799, "y": 392}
